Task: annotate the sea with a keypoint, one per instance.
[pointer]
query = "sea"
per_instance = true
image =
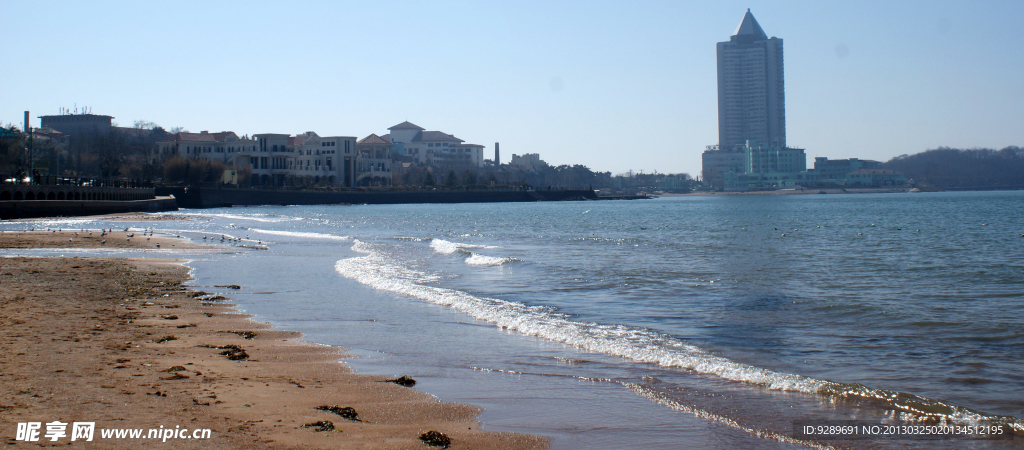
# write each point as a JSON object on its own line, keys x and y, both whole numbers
{"x": 722, "y": 321}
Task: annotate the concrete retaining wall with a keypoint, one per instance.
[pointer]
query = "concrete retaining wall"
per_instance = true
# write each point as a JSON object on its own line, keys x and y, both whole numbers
{"x": 212, "y": 197}
{"x": 60, "y": 192}
{"x": 23, "y": 209}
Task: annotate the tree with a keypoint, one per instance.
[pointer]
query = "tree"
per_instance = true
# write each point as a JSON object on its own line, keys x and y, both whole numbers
{"x": 950, "y": 168}
{"x": 451, "y": 179}
{"x": 469, "y": 178}
{"x": 428, "y": 179}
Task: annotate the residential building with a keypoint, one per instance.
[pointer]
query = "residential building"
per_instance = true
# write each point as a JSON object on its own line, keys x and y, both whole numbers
{"x": 751, "y": 88}
{"x": 373, "y": 166}
{"x": 316, "y": 159}
{"x": 527, "y": 161}
{"x": 433, "y": 147}
{"x": 223, "y": 146}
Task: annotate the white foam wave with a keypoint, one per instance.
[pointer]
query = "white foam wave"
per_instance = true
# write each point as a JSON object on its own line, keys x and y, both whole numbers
{"x": 642, "y": 345}
{"x": 443, "y": 247}
{"x": 262, "y": 218}
{"x": 303, "y": 234}
{"x": 446, "y": 247}
{"x": 477, "y": 259}
{"x": 635, "y": 343}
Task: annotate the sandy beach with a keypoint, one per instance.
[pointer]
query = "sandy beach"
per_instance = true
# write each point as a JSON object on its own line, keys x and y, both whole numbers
{"x": 124, "y": 344}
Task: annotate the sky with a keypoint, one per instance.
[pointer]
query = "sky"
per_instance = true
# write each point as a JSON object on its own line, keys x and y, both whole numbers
{"x": 615, "y": 86}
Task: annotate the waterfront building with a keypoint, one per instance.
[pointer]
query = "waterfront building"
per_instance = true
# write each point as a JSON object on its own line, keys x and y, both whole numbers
{"x": 836, "y": 169}
{"x": 768, "y": 158}
{"x": 751, "y": 88}
{"x": 373, "y": 165}
{"x": 433, "y": 147}
{"x": 875, "y": 178}
{"x": 223, "y": 146}
{"x": 78, "y": 124}
{"x": 715, "y": 163}
{"x": 316, "y": 159}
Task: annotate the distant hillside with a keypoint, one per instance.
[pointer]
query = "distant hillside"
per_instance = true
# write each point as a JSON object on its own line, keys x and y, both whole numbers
{"x": 956, "y": 169}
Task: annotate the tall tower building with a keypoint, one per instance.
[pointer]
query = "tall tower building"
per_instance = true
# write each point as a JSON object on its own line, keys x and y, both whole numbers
{"x": 751, "y": 88}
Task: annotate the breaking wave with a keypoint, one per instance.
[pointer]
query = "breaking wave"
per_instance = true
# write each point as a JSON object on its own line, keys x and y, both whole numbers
{"x": 477, "y": 259}
{"x": 302, "y": 234}
{"x": 638, "y": 344}
{"x": 447, "y": 247}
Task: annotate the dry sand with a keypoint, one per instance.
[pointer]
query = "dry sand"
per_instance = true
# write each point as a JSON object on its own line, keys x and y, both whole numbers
{"x": 122, "y": 343}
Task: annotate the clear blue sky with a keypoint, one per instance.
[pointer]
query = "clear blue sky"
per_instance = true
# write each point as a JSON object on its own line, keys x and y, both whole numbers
{"x": 612, "y": 85}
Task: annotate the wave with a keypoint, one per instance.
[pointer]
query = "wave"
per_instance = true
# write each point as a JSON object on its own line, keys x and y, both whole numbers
{"x": 266, "y": 218}
{"x": 302, "y": 234}
{"x": 638, "y": 344}
{"x": 447, "y": 247}
{"x": 477, "y": 259}
{"x": 444, "y": 247}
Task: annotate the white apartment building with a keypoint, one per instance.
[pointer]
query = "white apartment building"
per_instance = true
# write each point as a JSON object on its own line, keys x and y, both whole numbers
{"x": 325, "y": 158}
{"x": 373, "y": 166}
{"x": 434, "y": 147}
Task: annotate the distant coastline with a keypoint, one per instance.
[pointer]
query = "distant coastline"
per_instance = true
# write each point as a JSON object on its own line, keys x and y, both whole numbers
{"x": 794, "y": 192}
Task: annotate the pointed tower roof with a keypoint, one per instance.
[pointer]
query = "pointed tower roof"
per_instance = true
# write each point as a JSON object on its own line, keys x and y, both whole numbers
{"x": 749, "y": 26}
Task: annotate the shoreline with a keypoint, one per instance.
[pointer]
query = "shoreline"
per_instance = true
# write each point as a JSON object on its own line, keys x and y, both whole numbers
{"x": 123, "y": 342}
{"x": 793, "y": 192}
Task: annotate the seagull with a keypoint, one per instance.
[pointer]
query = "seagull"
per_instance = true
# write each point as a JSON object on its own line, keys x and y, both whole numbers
{"x": 103, "y": 241}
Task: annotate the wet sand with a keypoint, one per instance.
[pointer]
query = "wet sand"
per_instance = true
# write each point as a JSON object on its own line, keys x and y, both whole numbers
{"x": 123, "y": 343}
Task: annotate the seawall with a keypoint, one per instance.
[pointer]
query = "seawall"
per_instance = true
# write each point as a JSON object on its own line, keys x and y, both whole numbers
{"x": 24, "y": 209}
{"x": 214, "y": 197}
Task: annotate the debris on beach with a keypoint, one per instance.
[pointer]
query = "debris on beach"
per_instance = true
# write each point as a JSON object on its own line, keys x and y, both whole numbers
{"x": 176, "y": 369}
{"x": 347, "y": 412}
{"x": 228, "y": 286}
{"x": 166, "y": 339}
{"x": 436, "y": 439}
{"x": 248, "y": 335}
{"x": 233, "y": 352}
{"x": 175, "y": 376}
{"x": 169, "y": 317}
{"x": 403, "y": 380}
{"x": 321, "y": 425}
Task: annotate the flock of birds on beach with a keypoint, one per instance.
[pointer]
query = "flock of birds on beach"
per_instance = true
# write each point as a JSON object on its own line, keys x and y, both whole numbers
{"x": 148, "y": 233}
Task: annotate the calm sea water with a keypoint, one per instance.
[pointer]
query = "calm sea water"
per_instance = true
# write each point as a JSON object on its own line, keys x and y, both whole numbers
{"x": 697, "y": 321}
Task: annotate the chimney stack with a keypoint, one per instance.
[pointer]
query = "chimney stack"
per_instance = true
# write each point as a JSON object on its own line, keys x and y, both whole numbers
{"x": 497, "y": 155}
{"x": 26, "y": 122}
